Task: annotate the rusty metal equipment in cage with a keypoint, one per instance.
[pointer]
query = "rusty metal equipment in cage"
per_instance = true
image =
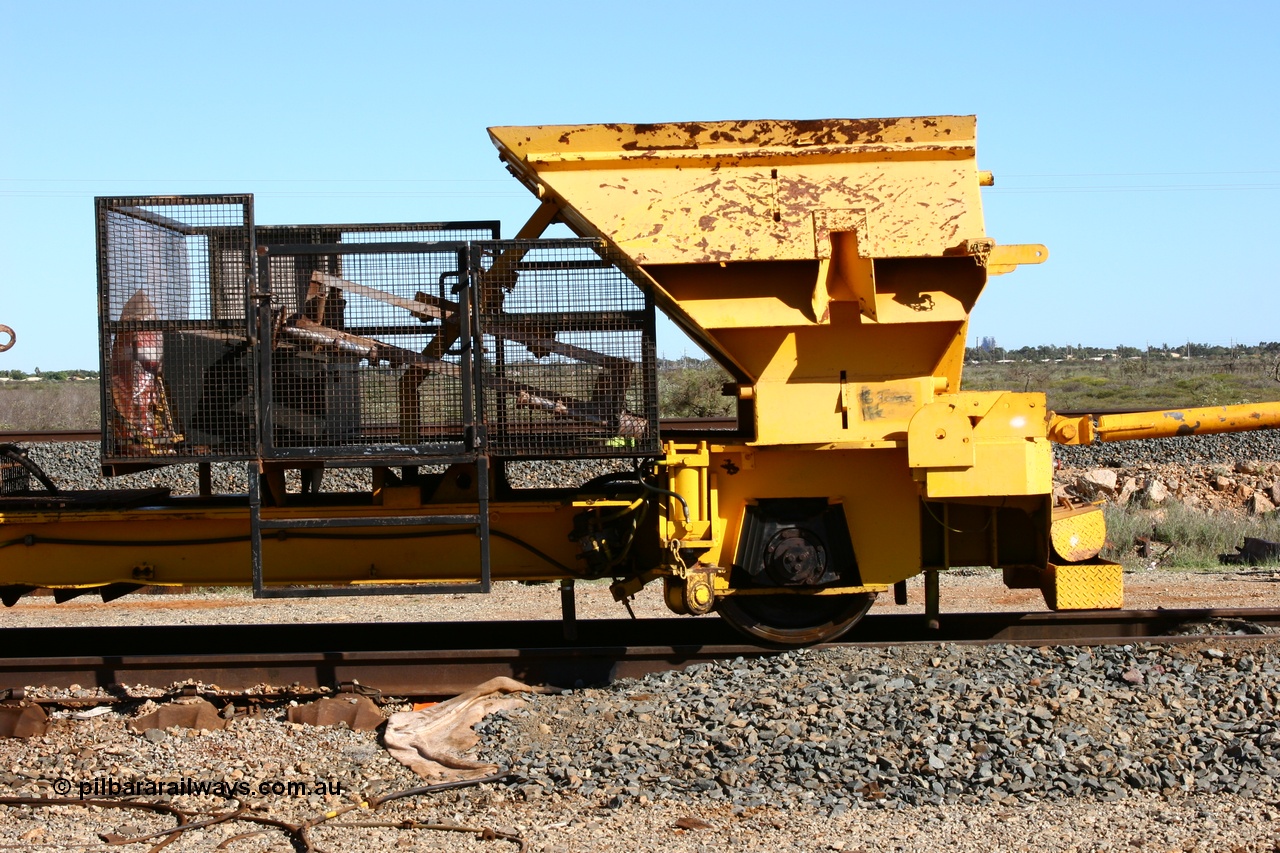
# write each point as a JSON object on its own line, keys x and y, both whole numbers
{"x": 377, "y": 346}
{"x": 363, "y": 344}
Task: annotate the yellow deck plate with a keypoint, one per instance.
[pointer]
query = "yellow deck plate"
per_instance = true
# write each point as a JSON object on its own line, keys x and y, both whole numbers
{"x": 1095, "y": 585}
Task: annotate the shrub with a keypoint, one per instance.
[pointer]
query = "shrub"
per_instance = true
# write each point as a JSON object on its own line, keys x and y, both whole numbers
{"x": 52, "y": 405}
{"x": 1197, "y": 537}
{"x": 692, "y": 389}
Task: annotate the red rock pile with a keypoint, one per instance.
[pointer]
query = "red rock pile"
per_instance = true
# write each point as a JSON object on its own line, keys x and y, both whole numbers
{"x": 1248, "y": 488}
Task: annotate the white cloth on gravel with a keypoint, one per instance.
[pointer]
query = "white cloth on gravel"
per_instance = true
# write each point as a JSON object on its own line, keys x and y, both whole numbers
{"x": 430, "y": 742}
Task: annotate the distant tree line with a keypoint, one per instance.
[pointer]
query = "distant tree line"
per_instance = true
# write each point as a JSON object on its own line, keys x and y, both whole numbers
{"x": 49, "y": 375}
{"x": 987, "y": 350}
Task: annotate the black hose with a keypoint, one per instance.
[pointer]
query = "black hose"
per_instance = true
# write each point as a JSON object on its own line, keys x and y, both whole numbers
{"x": 684, "y": 504}
{"x": 16, "y": 454}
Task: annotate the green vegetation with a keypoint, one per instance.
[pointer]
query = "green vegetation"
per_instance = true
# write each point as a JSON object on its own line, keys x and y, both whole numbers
{"x": 49, "y": 405}
{"x": 988, "y": 351}
{"x": 1151, "y": 381}
{"x": 49, "y": 375}
{"x": 1182, "y": 537}
{"x": 691, "y": 388}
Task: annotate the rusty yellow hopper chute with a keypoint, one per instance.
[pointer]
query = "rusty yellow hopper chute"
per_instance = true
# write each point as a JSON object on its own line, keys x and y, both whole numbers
{"x": 831, "y": 265}
{"x": 794, "y": 252}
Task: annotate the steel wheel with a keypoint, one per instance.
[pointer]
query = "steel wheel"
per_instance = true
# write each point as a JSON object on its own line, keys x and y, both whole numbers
{"x": 795, "y": 620}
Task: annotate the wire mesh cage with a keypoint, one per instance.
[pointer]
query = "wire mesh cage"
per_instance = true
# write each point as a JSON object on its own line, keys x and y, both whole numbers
{"x": 14, "y": 478}
{"x": 365, "y": 340}
{"x": 291, "y": 273}
{"x": 177, "y": 366}
{"x": 569, "y": 353}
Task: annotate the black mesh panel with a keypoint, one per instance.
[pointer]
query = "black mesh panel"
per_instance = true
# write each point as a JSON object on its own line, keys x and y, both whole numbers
{"x": 568, "y": 340}
{"x": 176, "y": 363}
{"x": 365, "y": 347}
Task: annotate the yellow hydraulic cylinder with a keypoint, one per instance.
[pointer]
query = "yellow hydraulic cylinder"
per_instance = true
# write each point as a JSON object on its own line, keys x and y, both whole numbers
{"x": 1164, "y": 424}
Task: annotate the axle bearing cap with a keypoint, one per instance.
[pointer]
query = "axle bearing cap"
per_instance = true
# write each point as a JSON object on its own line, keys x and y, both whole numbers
{"x": 795, "y": 557}
{"x": 699, "y": 596}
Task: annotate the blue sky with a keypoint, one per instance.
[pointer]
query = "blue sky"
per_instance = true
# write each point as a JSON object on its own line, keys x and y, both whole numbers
{"x": 1137, "y": 140}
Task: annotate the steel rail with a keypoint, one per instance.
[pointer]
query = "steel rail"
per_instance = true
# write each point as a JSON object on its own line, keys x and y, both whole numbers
{"x": 445, "y": 658}
{"x": 42, "y": 436}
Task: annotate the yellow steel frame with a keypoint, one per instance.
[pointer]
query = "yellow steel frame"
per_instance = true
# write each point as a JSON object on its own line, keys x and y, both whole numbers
{"x": 209, "y": 546}
{"x": 831, "y": 265}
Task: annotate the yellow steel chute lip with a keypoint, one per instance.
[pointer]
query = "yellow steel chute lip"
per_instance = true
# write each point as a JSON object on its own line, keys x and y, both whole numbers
{"x": 531, "y": 148}
{"x": 783, "y": 135}
{"x": 40, "y": 584}
{"x": 806, "y": 590}
{"x": 711, "y": 156}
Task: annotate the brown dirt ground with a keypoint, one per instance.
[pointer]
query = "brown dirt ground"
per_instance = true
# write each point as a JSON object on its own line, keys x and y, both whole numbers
{"x": 962, "y": 591}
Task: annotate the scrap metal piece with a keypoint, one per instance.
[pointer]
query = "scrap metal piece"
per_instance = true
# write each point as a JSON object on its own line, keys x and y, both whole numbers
{"x": 187, "y": 714}
{"x": 430, "y": 742}
{"x": 357, "y": 712}
{"x": 421, "y": 309}
{"x": 140, "y": 403}
{"x": 1253, "y": 552}
{"x": 22, "y": 720}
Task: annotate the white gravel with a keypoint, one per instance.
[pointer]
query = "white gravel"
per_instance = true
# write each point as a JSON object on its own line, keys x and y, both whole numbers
{"x": 254, "y": 751}
{"x": 268, "y": 749}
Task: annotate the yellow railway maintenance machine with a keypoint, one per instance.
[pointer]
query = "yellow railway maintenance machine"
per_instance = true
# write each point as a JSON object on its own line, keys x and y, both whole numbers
{"x": 829, "y": 265}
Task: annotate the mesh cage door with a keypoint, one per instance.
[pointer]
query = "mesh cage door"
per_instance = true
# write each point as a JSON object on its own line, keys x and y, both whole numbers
{"x": 569, "y": 356}
{"x": 365, "y": 348}
{"x": 178, "y": 374}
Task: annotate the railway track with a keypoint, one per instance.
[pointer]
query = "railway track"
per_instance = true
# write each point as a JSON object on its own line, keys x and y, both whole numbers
{"x": 446, "y": 658}
{"x": 42, "y": 436}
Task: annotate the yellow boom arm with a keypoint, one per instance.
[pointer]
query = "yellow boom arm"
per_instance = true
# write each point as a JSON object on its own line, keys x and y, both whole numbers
{"x": 1163, "y": 424}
